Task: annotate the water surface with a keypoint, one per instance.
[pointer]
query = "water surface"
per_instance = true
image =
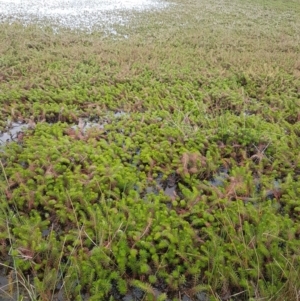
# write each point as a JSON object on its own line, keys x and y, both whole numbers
{"x": 80, "y": 14}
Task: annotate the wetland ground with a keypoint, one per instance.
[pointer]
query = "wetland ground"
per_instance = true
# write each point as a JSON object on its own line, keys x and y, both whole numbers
{"x": 186, "y": 187}
{"x": 76, "y": 14}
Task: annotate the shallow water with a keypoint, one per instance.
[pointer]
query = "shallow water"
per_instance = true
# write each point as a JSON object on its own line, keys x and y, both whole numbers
{"x": 79, "y": 14}
{"x": 15, "y": 130}
{"x": 12, "y": 133}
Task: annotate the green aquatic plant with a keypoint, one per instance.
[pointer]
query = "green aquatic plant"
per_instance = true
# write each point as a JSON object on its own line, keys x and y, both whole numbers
{"x": 86, "y": 213}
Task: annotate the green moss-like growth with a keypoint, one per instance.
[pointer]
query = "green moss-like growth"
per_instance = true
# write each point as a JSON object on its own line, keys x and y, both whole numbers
{"x": 187, "y": 182}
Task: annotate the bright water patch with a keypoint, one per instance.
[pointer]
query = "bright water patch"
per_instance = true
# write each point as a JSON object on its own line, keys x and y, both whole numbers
{"x": 14, "y": 130}
{"x": 79, "y": 14}
{"x": 12, "y": 133}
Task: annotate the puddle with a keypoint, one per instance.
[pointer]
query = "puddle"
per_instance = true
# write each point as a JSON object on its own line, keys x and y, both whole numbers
{"x": 220, "y": 178}
{"x": 168, "y": 186}
{"x": 4, "y": 287}
{"x": 170, "y": 191}
{"x": 84, "y": 123}
{"x": 136, "y": 294}
{"x": 14, "y": 132}
{"x": 7, "y": 287}
{"x": 274, "y": 191}
{"x": 75, "y": 14}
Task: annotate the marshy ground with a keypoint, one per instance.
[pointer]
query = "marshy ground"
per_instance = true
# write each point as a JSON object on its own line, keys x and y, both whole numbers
{"x": 161, "y": 162}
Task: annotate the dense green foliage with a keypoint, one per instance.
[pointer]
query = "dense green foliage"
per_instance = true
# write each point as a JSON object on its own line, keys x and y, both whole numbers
{"x": 191, "y": 192}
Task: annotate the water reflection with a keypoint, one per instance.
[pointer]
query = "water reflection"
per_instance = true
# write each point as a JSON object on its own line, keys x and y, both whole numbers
{"x": 13, "y": 133}
{"x": 84, "y": 14}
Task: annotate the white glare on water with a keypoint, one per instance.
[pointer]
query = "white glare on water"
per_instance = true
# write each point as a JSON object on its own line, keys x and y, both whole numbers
{"x": 84, "y": 14}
